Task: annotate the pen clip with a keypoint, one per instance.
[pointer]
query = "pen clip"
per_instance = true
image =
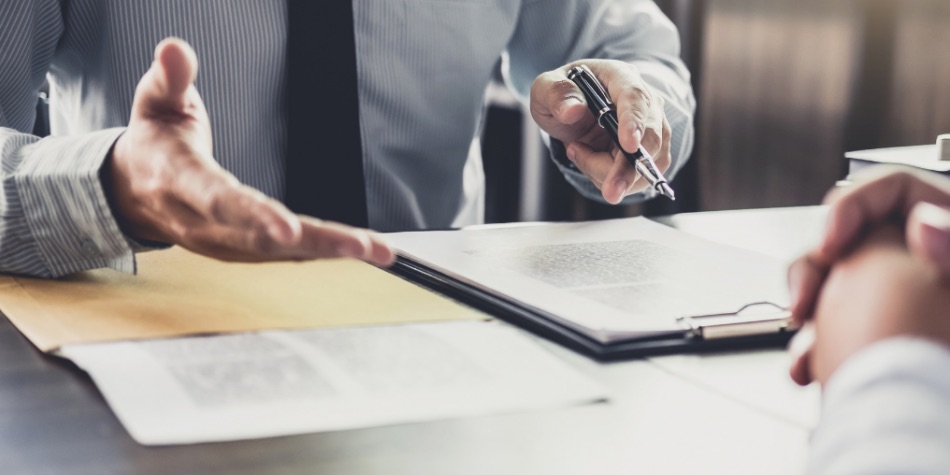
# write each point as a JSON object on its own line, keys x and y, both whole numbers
{"x": 595, "y": 83}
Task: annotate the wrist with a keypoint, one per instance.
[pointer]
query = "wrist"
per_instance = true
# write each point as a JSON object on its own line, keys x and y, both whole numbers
{"x": 115, "y": 181}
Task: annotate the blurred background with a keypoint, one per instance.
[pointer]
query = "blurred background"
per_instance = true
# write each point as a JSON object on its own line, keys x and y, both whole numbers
{"x": 784, "y": 88}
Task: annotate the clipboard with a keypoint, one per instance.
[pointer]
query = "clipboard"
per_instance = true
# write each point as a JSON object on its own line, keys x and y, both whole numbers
{"x": 737, "y": 330}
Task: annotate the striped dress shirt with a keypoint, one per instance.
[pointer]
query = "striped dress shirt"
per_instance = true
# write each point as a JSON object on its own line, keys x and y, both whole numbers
{"x": 423, "y": 66}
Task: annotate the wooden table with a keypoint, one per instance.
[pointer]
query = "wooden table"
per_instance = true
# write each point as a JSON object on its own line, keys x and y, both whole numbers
{"x": 722, "y": 413}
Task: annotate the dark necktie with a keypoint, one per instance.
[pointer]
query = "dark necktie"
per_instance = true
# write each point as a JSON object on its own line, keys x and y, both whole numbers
{"x": 324, "y": 163}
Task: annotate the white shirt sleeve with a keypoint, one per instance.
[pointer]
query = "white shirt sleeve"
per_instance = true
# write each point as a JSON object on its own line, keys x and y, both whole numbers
{"x": 886, "y": 410}
{"x": 552, "y": 33}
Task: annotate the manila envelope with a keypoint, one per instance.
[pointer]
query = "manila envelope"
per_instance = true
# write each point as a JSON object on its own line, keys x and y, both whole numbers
{"x": 179, "y": 293}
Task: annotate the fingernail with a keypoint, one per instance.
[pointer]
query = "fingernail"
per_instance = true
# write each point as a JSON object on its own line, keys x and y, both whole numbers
{"x": 637, "y": 132}
{"x": 936, "y": 242}
{"x": 803, "y": 340}
{"x": 277, "y": 233}
{"x": 799, "y": 351}
{"x": 830, "y": 229}
{"x": 936, "y": 223}
{"x": 571, "y": 153}
{"x": 621, "y": 185}
{"x": 567, "y": 103}
{"x": 357, "y": 248}
{"x": 354, "y": 250}
{"x": 282, "y": 232}
{"x": 934, "y": 216}
{"x": 794, "y": 281}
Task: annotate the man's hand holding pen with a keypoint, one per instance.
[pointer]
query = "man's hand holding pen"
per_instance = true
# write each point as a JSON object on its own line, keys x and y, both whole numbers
{"x": 559, "y": 108}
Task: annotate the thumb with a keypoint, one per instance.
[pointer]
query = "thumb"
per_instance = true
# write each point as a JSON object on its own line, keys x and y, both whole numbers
{"x": 928, "y": 235}
{"x": 164, "y": 88}
{"x": 800, "y": 352}
{"x": 558, "y": 107}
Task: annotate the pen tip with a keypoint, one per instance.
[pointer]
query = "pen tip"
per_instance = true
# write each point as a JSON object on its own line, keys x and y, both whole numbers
{"x": 665, "y": 190}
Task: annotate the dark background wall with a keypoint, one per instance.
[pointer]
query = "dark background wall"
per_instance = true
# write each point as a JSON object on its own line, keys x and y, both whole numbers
{"x": 789, "y": 86}
{"x": 784, "y": 87}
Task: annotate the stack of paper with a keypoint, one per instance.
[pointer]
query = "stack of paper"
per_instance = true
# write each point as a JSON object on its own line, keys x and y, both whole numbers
{"x": 264, "y": 384}
{"x": 364, "y": 359}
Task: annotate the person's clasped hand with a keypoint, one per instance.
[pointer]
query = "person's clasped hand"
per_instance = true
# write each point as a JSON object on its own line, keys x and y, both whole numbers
{"x": 164, "y": 185}
{"x": 558, "y": 107}
{"x": 917, "y": 201}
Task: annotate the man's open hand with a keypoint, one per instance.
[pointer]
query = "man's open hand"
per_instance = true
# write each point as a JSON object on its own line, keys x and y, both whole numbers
{"x": 164, "y": 185}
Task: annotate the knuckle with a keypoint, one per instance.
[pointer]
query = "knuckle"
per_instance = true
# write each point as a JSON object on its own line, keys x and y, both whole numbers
{"x": 229, "y": 180}
{"x": 183, "y": 233}
{"x": 618, "y": 155}
{"x": 244, "y": 201}
{"x": 637, "y": 95}
{"x": 538, "y": 111}
{"x": 563, "y": 87}
{"x": 260, "y": 242}
{"x": 216, "y": 206}
{"x": 582, "y": 161}
{"x": 831, "y": 196}
{"x": 548, "y": 77}
{"x": 906, "y": 176}
{"x": 325, "y": 244}
{"x": 544, "y": 82}
{"x": 540, "y": 81}
{"x": 220, "y": 199}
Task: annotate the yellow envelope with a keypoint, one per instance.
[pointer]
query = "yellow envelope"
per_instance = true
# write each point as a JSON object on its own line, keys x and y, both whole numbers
{"x": 180, "y": 293}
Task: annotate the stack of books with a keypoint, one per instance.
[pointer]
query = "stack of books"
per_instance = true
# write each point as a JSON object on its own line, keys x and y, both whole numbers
{"x": 934, "y": 157}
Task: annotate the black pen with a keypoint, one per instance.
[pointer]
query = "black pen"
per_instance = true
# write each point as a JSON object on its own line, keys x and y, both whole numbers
{"x": 603, "y": 109}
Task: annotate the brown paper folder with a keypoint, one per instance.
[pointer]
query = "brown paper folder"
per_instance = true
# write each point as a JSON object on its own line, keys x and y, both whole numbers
{"x": 179, "y": 293}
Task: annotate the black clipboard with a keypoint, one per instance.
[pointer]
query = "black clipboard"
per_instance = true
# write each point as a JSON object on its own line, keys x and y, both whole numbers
{"x": 701, "y": 333}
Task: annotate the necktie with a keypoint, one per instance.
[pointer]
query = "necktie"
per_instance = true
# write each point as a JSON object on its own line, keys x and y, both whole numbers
{"x": 324, "y": 163}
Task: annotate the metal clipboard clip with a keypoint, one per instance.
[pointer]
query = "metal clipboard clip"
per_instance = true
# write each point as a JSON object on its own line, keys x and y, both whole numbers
{"x": 757, "y": 318}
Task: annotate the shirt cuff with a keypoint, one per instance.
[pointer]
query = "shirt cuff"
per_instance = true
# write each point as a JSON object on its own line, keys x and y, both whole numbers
{"x": 145, "y": 246}
{"x": 885, "y": 359}
{"x": 885, "y": 411}
{"x": 65, "y": 206}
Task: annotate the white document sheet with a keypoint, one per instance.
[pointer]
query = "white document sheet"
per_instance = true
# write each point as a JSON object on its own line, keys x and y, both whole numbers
{"x": 251, "y": 385}
{"x": 612, "y": 280}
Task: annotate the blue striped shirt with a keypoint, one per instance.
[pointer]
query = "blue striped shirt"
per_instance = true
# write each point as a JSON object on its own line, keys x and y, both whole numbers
{"x": 419, "y": 61}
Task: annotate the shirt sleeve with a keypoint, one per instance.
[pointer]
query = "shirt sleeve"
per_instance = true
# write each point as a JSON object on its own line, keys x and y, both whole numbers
{"x": 885, "y": 411}
{"x": 54, "y": 217}
{"x": 552, "y": 33}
